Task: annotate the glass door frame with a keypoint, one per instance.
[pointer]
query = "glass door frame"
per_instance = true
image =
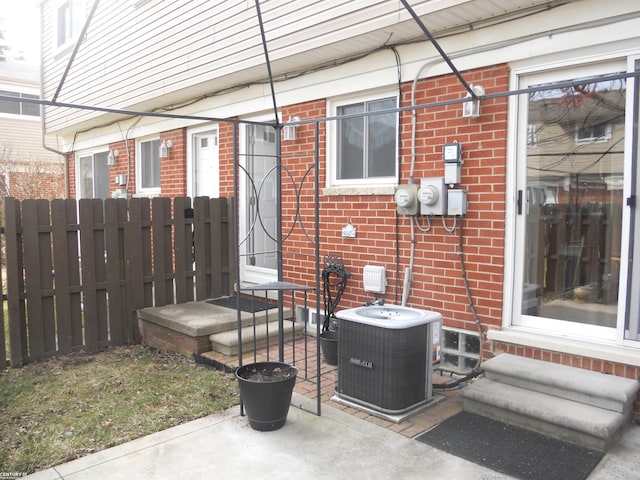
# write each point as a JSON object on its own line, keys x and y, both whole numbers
{"x": 515, "y": 239}
{"x": 248, "y": 273}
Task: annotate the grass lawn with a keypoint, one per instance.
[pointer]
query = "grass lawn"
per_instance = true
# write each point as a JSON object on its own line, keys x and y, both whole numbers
{"x": 67, "y": 407}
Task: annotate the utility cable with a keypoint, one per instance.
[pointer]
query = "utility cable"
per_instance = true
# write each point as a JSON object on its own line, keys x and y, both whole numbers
{"x": 333, "y": 267}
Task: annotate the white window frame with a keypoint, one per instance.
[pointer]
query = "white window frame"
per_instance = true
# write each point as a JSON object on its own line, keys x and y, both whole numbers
{"x": 78, "y": 157}
{"x": 363, "y": 184}
{"x": 140, "y": 190}
{"x": 78, "y": 13}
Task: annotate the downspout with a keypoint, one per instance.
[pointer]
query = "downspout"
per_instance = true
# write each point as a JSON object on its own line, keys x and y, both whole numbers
{"x": 64, "y": 155}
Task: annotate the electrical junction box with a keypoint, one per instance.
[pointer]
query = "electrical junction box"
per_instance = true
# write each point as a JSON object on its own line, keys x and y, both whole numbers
{"x": 457, "y": 202}
{"x": 432, "y": 196}
{"x": 120, "y": 180}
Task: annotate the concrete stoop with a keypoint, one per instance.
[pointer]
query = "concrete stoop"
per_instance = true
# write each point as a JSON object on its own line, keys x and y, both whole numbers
{"x": 575, "y": 405}
{"x": 198, "y": 327}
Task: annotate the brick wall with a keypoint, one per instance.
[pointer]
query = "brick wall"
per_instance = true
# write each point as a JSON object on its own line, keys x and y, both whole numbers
{"x": 173, "y": 169}
{"x": 383, "y": 238}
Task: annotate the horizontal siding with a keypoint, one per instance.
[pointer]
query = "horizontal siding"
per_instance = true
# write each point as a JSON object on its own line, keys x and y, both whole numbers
{"x": 22, "y": 139}
{"x": 163, "y": 53}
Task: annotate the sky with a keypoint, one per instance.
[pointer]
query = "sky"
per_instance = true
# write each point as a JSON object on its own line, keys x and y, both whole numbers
{"x": 22, "y": 26}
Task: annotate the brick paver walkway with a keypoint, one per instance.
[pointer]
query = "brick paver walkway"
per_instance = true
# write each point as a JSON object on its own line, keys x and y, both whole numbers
{"x": 303, "y": 355}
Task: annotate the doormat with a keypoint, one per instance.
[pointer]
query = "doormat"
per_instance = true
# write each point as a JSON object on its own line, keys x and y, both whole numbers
{"x": 246, "y": 304}
{"x": 511, "y": 450}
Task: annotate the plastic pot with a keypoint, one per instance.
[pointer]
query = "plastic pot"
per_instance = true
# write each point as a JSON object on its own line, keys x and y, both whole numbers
{"x": 265, "y": 391}
{"x": 329, "y": 346}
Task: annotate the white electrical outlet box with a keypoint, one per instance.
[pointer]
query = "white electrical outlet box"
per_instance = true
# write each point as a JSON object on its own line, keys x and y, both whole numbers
{"x": 120, "y": 180}
{"x": 432, "y": 196}
{"x": 452, "y": 173}
{"x": 457, "y": 202}
{"x": 349, "y": 231}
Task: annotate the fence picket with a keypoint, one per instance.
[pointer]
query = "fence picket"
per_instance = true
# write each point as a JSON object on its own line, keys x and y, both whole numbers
{"x": 15, "y": 283}
{"x": 202, "y": 240}
{"x": 115, "y": 217}
{"x": 64, "y": 218}
{"x": 162, "y": 251}
{"x": 183, "y": 249}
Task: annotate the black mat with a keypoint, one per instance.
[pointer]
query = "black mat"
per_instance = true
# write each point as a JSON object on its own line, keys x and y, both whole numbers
{"x": 511, "y": 450}
{"x": 246, "y": 304}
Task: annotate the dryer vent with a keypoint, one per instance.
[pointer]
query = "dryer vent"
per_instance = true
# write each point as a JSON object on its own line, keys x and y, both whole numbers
{"x": 374, "y": 279}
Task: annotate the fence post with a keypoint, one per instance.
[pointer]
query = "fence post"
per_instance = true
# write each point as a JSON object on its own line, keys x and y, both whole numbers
{"x": 3, "y": 348}
{"x": 15, "y": 284}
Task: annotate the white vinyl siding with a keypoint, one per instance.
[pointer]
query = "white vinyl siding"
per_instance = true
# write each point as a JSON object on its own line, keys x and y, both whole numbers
{"x": 166, "y": 52}
{"x": 25, "y": 142}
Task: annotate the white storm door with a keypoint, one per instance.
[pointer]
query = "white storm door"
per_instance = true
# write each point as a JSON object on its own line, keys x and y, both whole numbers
{"x": 206, "y": 164}
{"x": 259, "y": 207}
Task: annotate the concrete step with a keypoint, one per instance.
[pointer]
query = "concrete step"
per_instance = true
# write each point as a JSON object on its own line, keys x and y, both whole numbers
{"x": 186, "y": 327}
{"x": 590, "y": 388}
{"x": 227, "y": 342}
{"x": 560, "y": 418}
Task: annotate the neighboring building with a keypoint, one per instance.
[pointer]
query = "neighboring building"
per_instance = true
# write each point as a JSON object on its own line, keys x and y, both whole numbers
{"x": 551, "y": 229}
{"x": 27, "y": 169}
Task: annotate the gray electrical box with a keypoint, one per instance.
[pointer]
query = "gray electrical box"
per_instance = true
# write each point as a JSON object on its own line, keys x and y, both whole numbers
{"x": 457, "y": 202}
{"x": 432, "y": 196}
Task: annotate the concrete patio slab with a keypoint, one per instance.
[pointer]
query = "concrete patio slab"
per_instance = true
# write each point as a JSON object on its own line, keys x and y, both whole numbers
{"x": 335, "y": 445}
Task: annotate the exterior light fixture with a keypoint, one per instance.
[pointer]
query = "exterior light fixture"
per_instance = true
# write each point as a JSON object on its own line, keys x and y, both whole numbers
{"x": 289, "y": 130}
{"x": 471, "y": 108}
{"x": 112, "y": 157}
{"x": 164, "y": 148}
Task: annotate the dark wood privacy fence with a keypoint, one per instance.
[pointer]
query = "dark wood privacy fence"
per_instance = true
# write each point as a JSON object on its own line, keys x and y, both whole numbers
{"x": 77, "y": 271}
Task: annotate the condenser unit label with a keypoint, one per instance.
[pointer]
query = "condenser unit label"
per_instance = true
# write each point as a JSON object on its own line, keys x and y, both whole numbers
{"x": 361, "y": 363}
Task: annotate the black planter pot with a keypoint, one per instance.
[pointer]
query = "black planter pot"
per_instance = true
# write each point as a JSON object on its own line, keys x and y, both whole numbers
{"x": 265, "y": 390}
{"x": 329, "y": 346}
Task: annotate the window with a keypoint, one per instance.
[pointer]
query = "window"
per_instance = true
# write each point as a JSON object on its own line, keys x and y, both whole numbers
{"x": 19, "y": 108}
{"x": 365, "y": 143}
{"x": 532, "y": 135}
{"x": 93, "y": 175}
{"x": 593, "y": 133}
{"x": 70, "y": 15}
{"x": 148, "y": 166}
